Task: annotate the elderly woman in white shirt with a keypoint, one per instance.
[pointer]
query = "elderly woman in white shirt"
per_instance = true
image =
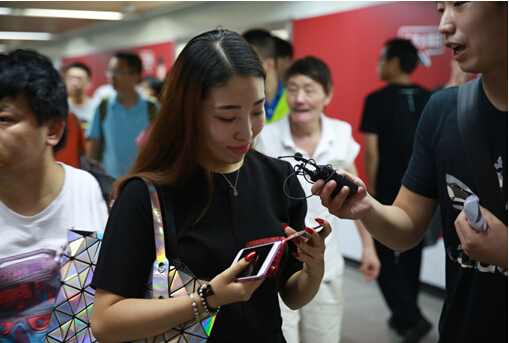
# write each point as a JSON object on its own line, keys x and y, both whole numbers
{"x": 308, "y": 131}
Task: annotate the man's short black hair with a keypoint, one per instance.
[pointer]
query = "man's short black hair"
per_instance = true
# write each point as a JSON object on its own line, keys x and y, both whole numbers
{"x": 283, "y": 48}
{"x": 405, "y": 51}
{"x": 30, "y": 73}
{"x": 80, "y": 65}
{"x": 133, "y": 60}
{"x": 155, "y": 84}
{"x": 263, "y": 41}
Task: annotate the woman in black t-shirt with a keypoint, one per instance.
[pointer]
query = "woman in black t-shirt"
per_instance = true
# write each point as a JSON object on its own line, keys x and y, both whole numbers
{"x": 223, "y": 194}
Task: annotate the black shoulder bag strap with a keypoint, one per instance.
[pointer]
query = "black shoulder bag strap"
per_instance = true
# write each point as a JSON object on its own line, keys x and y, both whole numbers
{"x": 473, "y": 137}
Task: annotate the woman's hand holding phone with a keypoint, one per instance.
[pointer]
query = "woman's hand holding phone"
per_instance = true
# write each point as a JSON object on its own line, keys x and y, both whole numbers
{"x": 264, "y": 256}
{"x": 226, "y": 288}
{"x": 311, "y": 250}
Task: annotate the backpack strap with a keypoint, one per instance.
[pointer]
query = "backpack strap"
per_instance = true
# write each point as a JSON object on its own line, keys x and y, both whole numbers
{"x": 103, "y": 109}
{"x": 105, "y": 182}
{"x": 103, "y": 106}
{"x": 473, "y": 137}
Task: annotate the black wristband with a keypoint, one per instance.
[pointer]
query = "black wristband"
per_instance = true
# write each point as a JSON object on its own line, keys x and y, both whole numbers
{"x": 204, "y": 291}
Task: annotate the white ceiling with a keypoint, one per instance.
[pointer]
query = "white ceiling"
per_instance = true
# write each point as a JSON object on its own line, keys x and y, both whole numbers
{"x": 61, "y": 26}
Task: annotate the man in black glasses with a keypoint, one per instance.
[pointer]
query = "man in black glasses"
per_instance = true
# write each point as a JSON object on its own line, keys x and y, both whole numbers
{"x": 121, "y": 117}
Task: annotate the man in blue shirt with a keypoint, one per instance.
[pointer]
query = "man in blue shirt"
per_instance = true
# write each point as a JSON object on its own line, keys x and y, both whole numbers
{"x": 120, "y": 118}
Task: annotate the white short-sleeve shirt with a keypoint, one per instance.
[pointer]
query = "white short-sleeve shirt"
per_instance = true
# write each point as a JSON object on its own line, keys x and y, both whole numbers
{"x": 79, "y": 205}
{"x": 337, "y": 148}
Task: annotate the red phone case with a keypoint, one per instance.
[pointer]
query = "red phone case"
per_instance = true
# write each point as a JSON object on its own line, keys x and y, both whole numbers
{"x": 275, "y": 263}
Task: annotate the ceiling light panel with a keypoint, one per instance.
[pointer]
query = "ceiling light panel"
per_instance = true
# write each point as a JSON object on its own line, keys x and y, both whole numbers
{"x": 11, "y": 35}
{"x": 5, "y": 11}
{"x": 57, "y": 13}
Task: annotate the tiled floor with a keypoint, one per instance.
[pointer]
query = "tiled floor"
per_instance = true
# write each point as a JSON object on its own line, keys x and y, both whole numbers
{"x": 366, "y": 315}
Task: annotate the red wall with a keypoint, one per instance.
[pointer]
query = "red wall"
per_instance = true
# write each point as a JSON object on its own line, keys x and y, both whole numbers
{"x": 350, "y": 44}
{"x": 149, "y": 54}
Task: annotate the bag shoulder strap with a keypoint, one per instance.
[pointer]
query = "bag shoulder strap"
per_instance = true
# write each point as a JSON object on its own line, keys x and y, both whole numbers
{"x": 158, "y": 213}
{"x": 161, "y": 266}
{"x": 473, "y": 137}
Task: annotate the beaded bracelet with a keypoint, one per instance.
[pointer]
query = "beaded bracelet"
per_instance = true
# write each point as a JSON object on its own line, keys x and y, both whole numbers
{"x": 204, "y": 291}
{"x": 195, "y": 308}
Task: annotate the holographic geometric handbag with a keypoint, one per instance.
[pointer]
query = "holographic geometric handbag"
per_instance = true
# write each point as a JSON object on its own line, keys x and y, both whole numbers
{"x": 70, "y": 319}
{"x": 171, "y": 278}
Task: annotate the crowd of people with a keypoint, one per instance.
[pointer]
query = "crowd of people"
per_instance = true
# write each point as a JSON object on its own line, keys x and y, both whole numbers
{"x": 208, "y": 137}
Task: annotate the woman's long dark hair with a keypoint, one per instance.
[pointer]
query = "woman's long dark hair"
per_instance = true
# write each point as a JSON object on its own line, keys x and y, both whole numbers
{"x": 210, "y": 59}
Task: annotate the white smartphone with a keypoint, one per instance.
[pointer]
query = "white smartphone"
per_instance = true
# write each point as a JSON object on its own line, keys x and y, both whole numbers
{"x": 260, "y": 264}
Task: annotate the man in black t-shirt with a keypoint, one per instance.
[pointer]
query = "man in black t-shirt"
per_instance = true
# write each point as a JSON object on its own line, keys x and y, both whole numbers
{"x": 475, "y": 307}
{"x": 390, "y": 119}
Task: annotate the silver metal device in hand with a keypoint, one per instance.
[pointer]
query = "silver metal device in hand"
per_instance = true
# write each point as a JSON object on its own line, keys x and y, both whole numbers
{"x": 473, "y": 212}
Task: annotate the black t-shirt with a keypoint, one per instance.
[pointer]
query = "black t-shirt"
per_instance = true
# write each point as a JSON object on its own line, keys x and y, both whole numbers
{"x": 208, "y": 248}
{"x": 393, "y": 113}
{"x": 475, "y": 308}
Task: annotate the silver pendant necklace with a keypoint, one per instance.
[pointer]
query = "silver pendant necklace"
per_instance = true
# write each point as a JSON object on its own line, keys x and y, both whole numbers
{"x": 234, "y": 188}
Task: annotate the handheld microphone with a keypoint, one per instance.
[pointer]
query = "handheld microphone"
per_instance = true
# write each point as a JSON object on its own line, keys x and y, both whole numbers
{"x": 322, "y": 172}
{"x": 298, "y": 157}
